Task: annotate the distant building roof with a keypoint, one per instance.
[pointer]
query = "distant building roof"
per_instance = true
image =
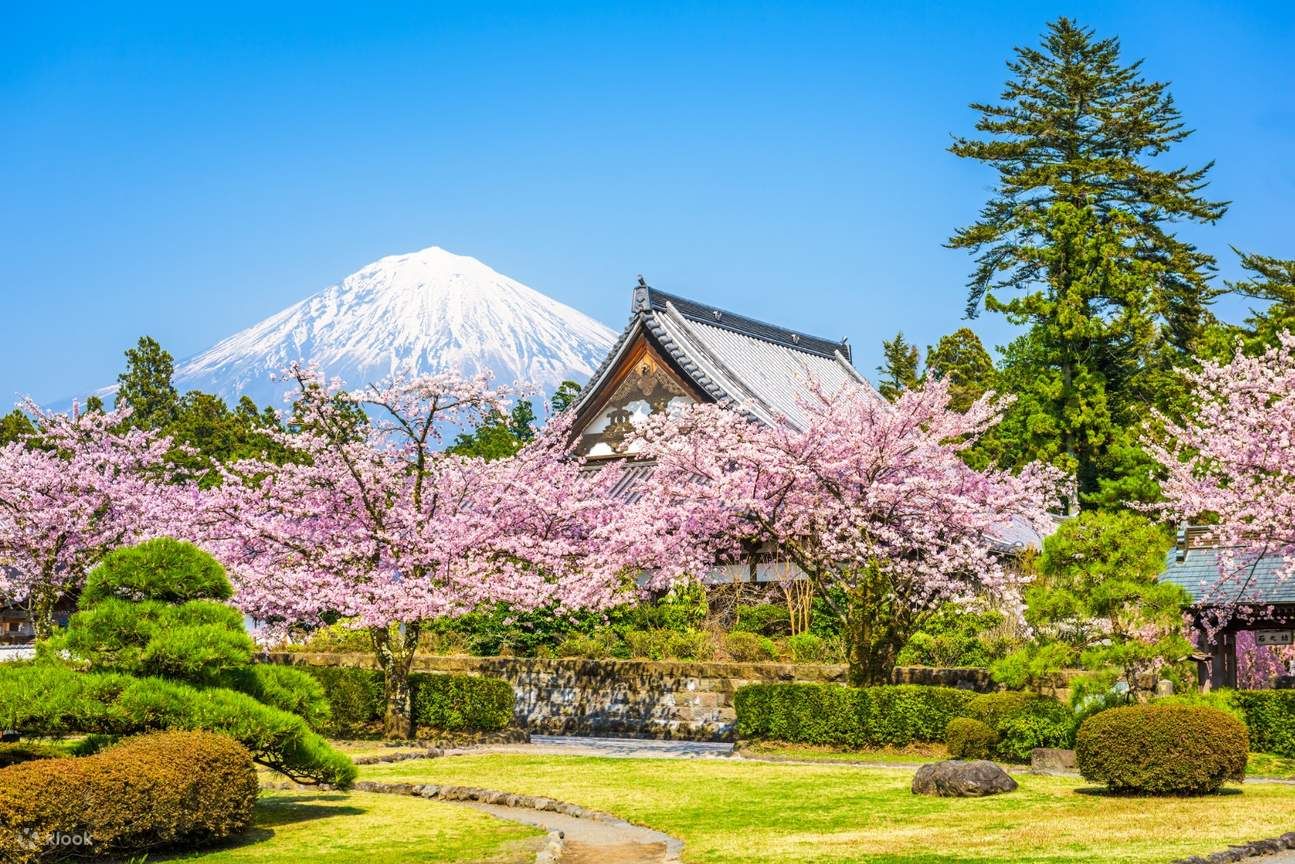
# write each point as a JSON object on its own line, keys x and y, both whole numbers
{"x": 762, "y": 369}
{"x": 1193, "y": 563}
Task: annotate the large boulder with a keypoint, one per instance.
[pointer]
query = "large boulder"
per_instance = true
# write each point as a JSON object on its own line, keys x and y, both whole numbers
{"x": 954, "y": 779}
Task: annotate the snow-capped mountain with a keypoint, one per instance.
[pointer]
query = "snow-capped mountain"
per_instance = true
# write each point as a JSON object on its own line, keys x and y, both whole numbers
{"x": 427, "y": 311}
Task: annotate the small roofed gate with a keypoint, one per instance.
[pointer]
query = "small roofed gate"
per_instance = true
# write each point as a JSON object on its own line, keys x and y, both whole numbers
{"x": 1250, "y": 596}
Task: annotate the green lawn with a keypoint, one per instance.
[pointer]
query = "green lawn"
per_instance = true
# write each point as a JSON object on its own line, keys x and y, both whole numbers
{"x": 732, "y": 812}
{"x": 367, "y": 828}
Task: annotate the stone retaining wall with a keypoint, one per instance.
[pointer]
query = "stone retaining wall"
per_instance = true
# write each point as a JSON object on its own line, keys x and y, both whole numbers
{"x": 635, "y": 698}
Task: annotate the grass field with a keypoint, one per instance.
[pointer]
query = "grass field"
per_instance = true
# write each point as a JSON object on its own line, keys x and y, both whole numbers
{"x": 367, "y": 828}
{"x": 734, "y": 812}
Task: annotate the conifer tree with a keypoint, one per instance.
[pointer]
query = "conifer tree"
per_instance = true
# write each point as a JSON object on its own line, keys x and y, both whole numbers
{"x": 146, "y": 385}
{"x": 899, "y": 367}
{"x": 963, "y": 361}
{"x": 1078, "y": 243}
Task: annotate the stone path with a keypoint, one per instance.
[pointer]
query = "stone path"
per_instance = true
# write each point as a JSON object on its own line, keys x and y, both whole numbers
{"x": 627, "y": 748}
{"x": 595, "y": 842}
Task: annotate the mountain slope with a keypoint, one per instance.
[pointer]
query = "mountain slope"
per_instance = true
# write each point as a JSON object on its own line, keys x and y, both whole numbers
{"x": 427, "y": 311}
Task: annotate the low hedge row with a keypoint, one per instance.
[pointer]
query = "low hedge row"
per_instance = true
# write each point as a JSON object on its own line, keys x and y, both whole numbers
{"x": 443, "y": 703}
{"x": 1270, "y": 717}
{"x": 832, "y": 714}
{"x": 1162, "y": 749}
{"x": 161, "y": 790}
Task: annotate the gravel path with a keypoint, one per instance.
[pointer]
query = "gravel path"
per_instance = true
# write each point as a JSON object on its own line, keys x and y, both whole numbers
{"x": 595, "y": 842}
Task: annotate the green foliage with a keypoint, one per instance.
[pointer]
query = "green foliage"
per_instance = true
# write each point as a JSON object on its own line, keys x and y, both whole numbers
{"x": 498, "y": 436}
{"x": 165, "y": 570}
{"x": 834, "y": 715}
{"x": 46, "y": 699}
{"x": 283, "y": 687}
{"x": 461, "y": 703}
{"x": 564, "y": 396}
{"x": 16, "y": 427}
{"x": 1270, "y": 280}
{"x": 355, "y": 700}
{"x": 601, "y": 643}
{"x": 1023, "y": 721}
{"x": 1162, "y": 749}
{"x": 956, "y": 637}
{"x": 962, "y": 360}
{"x": 163, "y": 790}
{"x": 146, "y": 385}
{"x": 17, "y": 752}
{"x": 899, "y": 367}
{"x": 750, "y": 647}
{"x": 1097, "y": 602}
{"x": 1270, "y": 717}
{"x": 809, "y": 648}
{"x": 1079, "y": 243}
{"x": 767, "y": 619}
{"x": 662, "y": 644}
{"x": 970, "y": 739}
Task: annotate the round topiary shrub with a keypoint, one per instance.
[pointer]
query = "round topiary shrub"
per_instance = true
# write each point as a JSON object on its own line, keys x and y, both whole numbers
{"x": 166, "y": 570}
{"x": 750, "y": 647}
{"x": 1162, "y": 749}
{"x": 1023, "y": 722}
{"x": 969, "y": 739}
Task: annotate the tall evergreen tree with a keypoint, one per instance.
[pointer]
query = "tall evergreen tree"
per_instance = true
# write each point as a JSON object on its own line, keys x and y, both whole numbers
{"x": 899, "y": 367}
{"x": 564, "y": 396}
{"x": 146, "y": 385}
{"x": 962, "y": 359}
{"x": 1271, "y": 280}
{"x": 14, "y": 427}
{"x": 1078, "y": 244}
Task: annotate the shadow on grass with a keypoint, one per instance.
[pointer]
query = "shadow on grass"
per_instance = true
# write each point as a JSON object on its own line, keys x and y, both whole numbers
{"x": 1103, "y": 792}
{"x": 270, "y": 813}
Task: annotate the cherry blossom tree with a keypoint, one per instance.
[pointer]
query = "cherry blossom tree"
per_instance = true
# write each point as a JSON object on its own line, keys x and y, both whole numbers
{"x": 1233, "y": 461}
{"x": 78, "y": 486}
{"x": 870, "y": 499}
{"x": 375, "y": 522}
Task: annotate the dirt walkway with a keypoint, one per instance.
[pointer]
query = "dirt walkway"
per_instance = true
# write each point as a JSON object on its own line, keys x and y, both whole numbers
{"x": 595, "y": 842}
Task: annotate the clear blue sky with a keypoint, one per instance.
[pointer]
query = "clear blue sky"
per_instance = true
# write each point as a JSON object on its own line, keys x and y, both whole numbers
{"x": 183, "y": 171}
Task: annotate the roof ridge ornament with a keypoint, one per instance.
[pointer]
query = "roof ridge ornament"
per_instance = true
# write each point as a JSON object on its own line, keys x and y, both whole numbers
{"x": 639, "y": 299}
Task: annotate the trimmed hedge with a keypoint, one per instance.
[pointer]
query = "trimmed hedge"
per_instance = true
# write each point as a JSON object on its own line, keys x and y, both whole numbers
{"x": 833, "y": 714}
{"x": 1023, "y": 721}
{"x": 1162, "y": 749}
{"x": 969, "y": 739}
{"x": 1270, "y": 717}
{"x": 441, "y": 703}
{"x": 160, "y": 790}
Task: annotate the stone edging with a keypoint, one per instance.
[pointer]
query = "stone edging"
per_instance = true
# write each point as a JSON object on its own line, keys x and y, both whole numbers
{"x": 553, "y": 848}
{"x": 1253, "y": 849}
{"x": 487, "y": 796}
{"x": 429, "y": 753}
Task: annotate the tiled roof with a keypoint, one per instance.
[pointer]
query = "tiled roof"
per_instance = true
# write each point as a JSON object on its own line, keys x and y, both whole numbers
{"x": 762, "y": 368}
{"x": 1196, "y": 569}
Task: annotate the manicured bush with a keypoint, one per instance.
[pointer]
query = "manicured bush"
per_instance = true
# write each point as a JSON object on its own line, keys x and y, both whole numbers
{"x": 1023, "y": 721}
{"x": 355, "y": 700}
{"x": 750, "y": 647}
{"x": 165, "y": 789}
{"x": 969, "y": 739}
{"x": 662, "y": 644}
{"x": 1162, "y": 749}
{"x": 50, "y": 699}
{"x": 283, "y": 687}
{"x": 1270, "y": 717}
{"x": 766, "y": 619}
{"x": 461, "y": 703}
{"x": 808, "y": 648}
{"x": 835, "y": 715}
{"x": 170, "y": 571}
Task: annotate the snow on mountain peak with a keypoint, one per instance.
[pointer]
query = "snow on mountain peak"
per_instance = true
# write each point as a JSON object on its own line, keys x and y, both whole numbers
{"x": 425, "y": 311}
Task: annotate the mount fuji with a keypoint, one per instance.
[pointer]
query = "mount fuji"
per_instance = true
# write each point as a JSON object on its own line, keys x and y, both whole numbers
{"x": 423, "y": 312}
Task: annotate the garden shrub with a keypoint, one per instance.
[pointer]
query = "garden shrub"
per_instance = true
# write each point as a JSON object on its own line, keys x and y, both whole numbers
{"x": 49, "y": 699}
{"x": 599, "y": 644}
{"x": 159, "y": 790}
{"x": 16, "y": 752}
{"x": 1023, "y": 722}
{"x": 750, "y": 647}
{"x": 808, "y": 648}
{"x": 1270, "y": 717}
{"x": 284, "y": 687}
{"x": 166, "y": 570}
{"x": 766, "y": 619}
{"x": 1162, "y": 749}
{"x": 355, "y": 700}
{"x": 461, "y": 703}
{"x": 969, "y": 739}
{"x": 662, "y": 644}
{"x": 835, "y": 715}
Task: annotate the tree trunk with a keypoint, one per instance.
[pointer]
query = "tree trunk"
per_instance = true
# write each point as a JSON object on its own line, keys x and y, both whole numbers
{"x": 875, "y": 629}
{"x": 42, "y": 613}
{"x": 394, "y": 646}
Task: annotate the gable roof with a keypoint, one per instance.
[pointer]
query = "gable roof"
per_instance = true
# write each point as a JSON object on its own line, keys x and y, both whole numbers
{"x": 762, "y": 368}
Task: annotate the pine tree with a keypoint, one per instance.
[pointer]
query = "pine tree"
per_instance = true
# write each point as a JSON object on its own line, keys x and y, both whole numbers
{"x": 15, "y": 427}
{"x": 963, "y": 361}
{"x": 1271, "y": 280}
{"x": 564, "y": 396}
{"x": 899, "y": 367}
{"x": 146, "y": 385}
{"x": 1078, "y": 245}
